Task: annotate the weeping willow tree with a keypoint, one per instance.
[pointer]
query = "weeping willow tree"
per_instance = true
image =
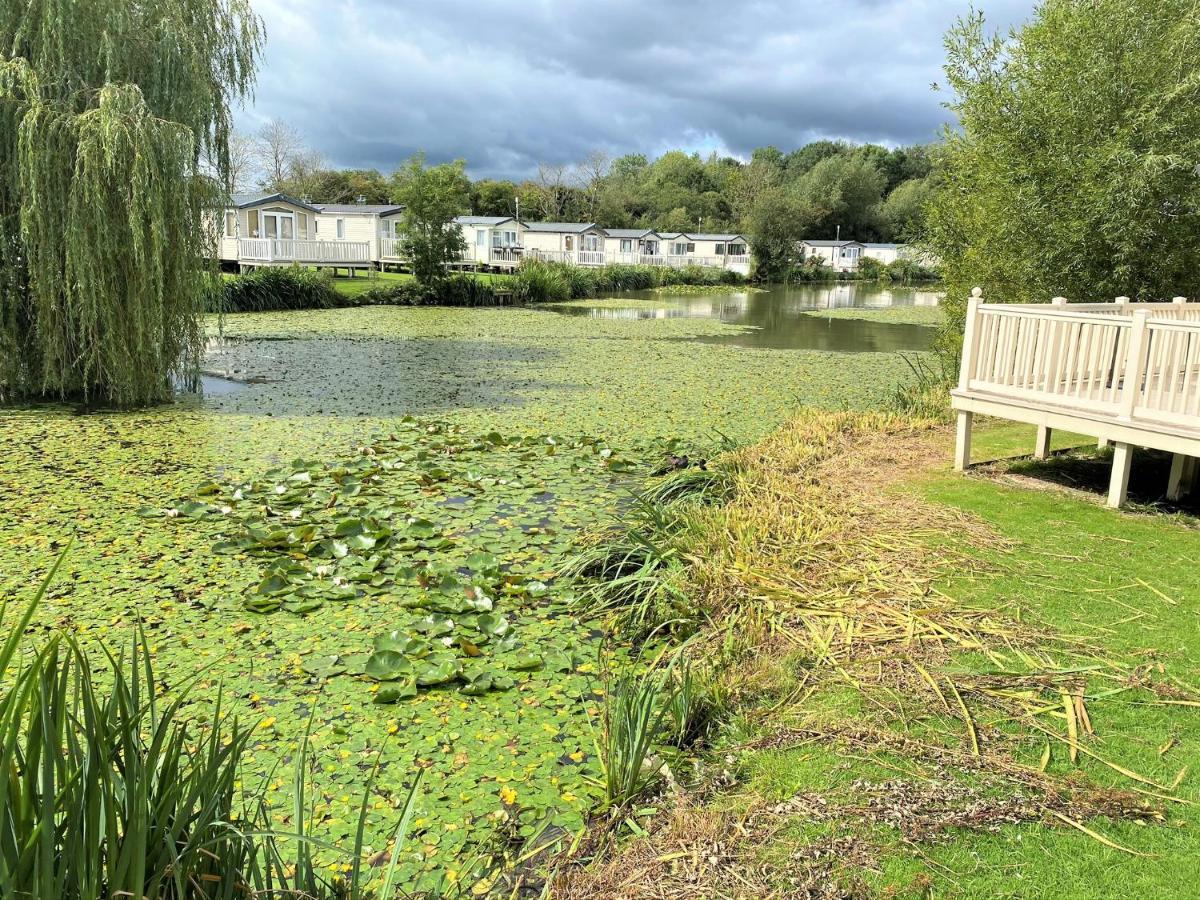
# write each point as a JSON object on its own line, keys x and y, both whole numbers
{"x": 114, "y": 157}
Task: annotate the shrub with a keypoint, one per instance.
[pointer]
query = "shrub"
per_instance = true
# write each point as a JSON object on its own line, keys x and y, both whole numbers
{"x": 907, "y": 271}
{"x": 454, "y": 290}
{"x": 871, "y": 269}
{"x": 276, "y": 288}
{"x": 539, "y": 281}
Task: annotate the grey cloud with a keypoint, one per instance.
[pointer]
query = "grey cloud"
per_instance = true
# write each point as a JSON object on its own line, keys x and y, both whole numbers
{"x": 504, "y": 85}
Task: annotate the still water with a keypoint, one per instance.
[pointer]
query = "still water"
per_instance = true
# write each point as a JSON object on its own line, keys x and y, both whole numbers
{"x": 781, "y": 316}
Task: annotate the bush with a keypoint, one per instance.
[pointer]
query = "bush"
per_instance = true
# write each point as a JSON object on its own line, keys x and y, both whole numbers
{"x": 908, "y": 271}
{"x": 456, "y": 290}
{"x": 871, "y": 269}
{"x": 276, "y": 288}
{"x": 542, "y": 282}
{"x": 539, "y": 281}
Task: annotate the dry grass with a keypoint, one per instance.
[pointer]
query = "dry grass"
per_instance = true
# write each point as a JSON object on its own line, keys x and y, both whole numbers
{"x": 817, "y": 541}
{"x": 703, "y": 854}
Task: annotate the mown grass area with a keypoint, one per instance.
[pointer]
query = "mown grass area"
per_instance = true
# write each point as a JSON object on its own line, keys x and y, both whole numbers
{"x": 933, "y": 684}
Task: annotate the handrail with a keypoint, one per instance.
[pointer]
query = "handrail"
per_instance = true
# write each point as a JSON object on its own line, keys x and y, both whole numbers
{"x": 1132, "y": 365}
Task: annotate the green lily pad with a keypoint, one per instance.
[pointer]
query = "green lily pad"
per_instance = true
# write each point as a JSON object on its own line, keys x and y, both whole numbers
{"x": 388, "y": 665}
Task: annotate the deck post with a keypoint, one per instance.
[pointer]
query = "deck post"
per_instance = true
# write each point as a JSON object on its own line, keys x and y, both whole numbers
{"x": 1135, "y": 367}
{"x": 962, "y": 441}
{"x": 1118, "y": 485}
{"x": 969, "y": 341}
{"x": 1176, "y": 481}
{"x": 1102, "y": 443}
{"x": 1041, "y": 448}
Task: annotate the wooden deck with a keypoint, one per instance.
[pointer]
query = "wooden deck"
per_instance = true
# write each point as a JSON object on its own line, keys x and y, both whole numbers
{"x": 286, "y": 252}
{"x": 1125, "y": 373}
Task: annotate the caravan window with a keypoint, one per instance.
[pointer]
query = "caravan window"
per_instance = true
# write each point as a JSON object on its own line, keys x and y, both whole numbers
{"x": 737, "y": 249}
{"x": 341, "y": 229}
{"x": 230, "y": 224}
{"x": 626, "y": 246}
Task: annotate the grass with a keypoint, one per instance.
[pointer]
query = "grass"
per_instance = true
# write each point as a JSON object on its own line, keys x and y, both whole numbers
{"x": 941, "y": 684}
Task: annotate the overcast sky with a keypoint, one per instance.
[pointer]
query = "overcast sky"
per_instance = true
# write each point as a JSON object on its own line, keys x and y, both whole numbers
{"x": 506, "y": 83}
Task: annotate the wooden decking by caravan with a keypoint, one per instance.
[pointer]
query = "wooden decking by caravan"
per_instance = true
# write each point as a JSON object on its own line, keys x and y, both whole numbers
{"x": 1125, "y": 373}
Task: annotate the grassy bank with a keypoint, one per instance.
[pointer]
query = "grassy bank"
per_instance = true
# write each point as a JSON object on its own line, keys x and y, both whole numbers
{"x": 929, "y": 683}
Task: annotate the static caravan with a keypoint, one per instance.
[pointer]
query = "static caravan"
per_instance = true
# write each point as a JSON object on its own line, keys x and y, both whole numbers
{"x": 841, "y": 256}
{"x": 631, "y": 246}
{"x": 276, "y": 229}
{"x": 885, "y": 253}
{"x": 492, "y": 240}
{"x": 580, "y": 243}
{"x": 726, "y": 251}
{"x": 374, "y": 224}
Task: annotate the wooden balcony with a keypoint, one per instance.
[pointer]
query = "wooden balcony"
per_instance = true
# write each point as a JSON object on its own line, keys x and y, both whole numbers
{"x": 392, "y": 249}
{"x": 279, "y": 251}
{"x": 1123, "y": 372}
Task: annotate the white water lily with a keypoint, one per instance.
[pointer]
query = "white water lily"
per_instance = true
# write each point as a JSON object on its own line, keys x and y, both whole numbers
{"x": 322, "y": 571}
{"x": 296, "y": 513}
{"x": 172, "y": 514}
{"x": 226, "y": 510}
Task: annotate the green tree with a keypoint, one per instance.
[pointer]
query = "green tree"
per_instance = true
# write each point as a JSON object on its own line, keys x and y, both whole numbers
{"x": 903, "y": 212}
{"x": 432, "y": 197}
{"x": 493, "y": 198}
{"x": 108, "y": 110}
{"x": 339, "y": 186}
{"x": 775, "y": 225}
{"x": 843, "y": 190}
{"x": 1074, "y": 171}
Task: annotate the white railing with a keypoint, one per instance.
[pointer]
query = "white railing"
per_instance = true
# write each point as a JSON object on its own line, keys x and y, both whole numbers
{"x": 616, "y": 257}
{"x": 392, "y": 248}
{"x": 318, "y": 252}
{"x": 506, "y": 256}
{"x": 1126, "y": 360}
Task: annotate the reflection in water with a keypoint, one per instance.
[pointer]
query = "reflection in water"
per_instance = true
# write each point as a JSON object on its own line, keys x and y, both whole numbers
{"x": 779, "y": 316}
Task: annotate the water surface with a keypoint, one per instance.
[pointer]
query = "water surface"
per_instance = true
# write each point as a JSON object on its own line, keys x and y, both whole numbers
{"x": 780, "y": 316}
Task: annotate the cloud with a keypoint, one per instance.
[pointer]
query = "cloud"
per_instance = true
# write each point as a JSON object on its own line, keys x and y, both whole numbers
{"x": 506, "y": 85}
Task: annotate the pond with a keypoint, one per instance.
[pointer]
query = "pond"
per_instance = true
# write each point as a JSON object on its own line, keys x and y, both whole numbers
{"x": 444, "y": 450}
{"x": 781, "y": 316}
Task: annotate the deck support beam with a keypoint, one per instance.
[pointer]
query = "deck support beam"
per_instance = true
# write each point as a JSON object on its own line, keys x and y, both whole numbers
{"x": 962, "y": 441}
{"x": 1118, "y": 485}
{"x": 1183, "y": 474}
{"x": 1041, "y": 448}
